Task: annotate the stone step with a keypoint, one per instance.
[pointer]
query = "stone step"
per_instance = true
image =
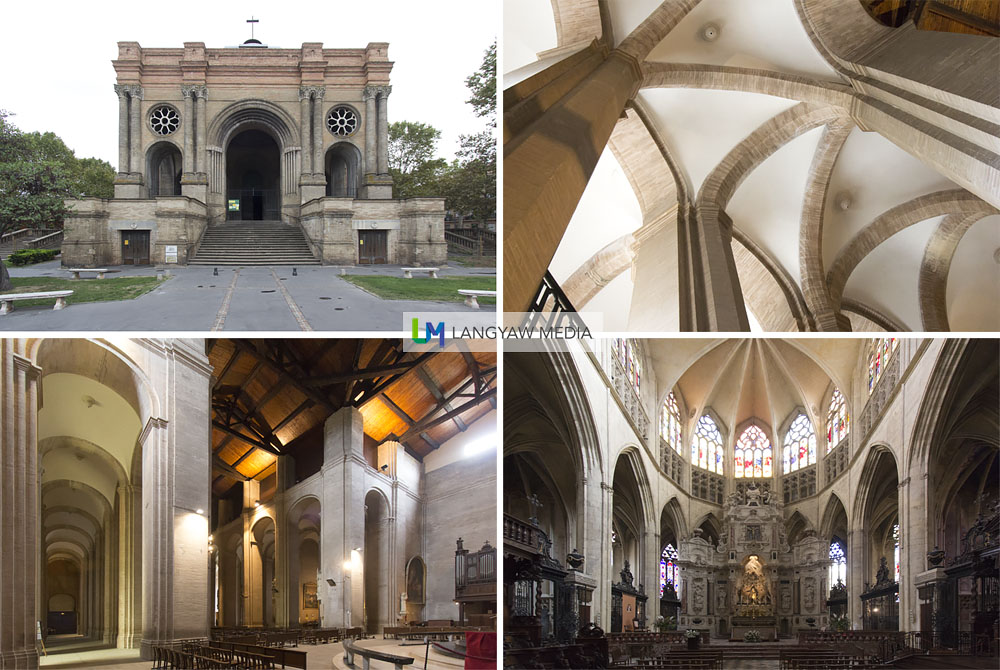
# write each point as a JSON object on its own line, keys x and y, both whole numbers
{"x": 254, "y": 243}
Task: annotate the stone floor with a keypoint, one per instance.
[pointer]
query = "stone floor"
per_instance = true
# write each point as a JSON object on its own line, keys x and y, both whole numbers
{"x": 320, "y": 657}
{"x": 238, "y": 299}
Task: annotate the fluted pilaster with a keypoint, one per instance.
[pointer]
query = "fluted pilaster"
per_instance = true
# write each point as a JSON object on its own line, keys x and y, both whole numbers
{"x": 135, "y": 129}
{"x": 188, "y": 122}
{"x": 318, "y": 96}
{"x": 123, "y": 154}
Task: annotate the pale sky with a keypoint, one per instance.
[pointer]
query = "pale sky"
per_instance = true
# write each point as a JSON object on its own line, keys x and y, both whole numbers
{"x": 56, "y": 73}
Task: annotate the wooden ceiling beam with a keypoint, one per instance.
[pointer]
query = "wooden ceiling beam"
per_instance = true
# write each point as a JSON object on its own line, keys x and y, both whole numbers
{"x": 369, "y": 373}
{"x": 397, "y": 410}
{"x": 218, "y": 425}
{"x": 318, "y": 398}
{"x": 427, "y": 424}
{"x": 228, "y": 469}
{"x": 225, "y": 368}
{"x": 306, "y": 404}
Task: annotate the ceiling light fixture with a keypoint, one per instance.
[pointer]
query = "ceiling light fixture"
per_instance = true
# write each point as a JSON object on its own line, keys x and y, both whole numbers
{"x": 710, "y": 32}
{"x": 843, "y": 201}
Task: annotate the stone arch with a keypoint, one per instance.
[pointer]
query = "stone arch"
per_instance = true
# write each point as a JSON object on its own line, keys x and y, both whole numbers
{"x": 304, "y": 552}
{"x": 672, "y": 515}
{"x": 253, "y": 113}
{"x": 796, "y": 527}
{"x": 163, "y": 168}
{"x": 377, "y": 610}
{"x": 262, "y": 571}
{"x": 343, "y": 170}
{"x": 892, "y": 221}
{"x": 834, "y": 520}
{"x": 932, "y": 286}
{"x": 710, "y": 528}
{"x": 878, "y": 461}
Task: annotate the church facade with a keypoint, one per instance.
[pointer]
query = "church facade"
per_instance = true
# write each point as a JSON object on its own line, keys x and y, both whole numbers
{"x": 231, "y": 136}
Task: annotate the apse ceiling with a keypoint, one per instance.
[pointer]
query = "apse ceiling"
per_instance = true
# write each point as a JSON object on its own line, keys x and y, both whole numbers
{"x": 272, "y": 397}
{"x": 764, "y": 379}
{"x": 701, "y": 126}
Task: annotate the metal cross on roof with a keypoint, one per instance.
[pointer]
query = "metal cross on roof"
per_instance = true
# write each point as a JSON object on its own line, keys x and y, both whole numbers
{"x": 252, "y": 21}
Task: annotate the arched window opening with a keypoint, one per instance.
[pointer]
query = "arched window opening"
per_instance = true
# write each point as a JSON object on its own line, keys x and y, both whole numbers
{"x": 706, "y": 445}
{"x": 838, "y": 423}
{"x": 800, "y": 444}
{"x": 880, "y": 352}
{"x": 627, "y": 353}
{"x": 670, "y": 423}
{"x": 669, "y": 572}
{"x": 895, "y": 551}
{"x": 838, "y": 564}
{"x": 753, "y": 454}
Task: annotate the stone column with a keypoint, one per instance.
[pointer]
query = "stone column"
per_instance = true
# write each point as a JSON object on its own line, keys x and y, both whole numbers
{"x": 135, "y": 132}
{"x": 318, "y": 128}
{"x": 123, "y": 153}
{"x": 343, "y": 489}
{"x": 201, "y": 121}
{"x": 129, "y": 566}
{"x": 175, "y": 556}
{"x": 305, "y": 135}
{"x": 188, "y": 122}
{"x": 546, "y": 169}
{"x": 383, "y": 129}
{"x": 19, "y": 505}
{"x": 371, "y": 129}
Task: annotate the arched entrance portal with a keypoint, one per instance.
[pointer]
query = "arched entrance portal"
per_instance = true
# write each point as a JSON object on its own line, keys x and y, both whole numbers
{"x": 253, "y": 177}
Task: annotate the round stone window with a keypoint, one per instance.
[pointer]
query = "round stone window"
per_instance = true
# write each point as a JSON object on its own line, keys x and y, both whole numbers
{"x": 164, "y": 120}
{"x": 342, "y": 121}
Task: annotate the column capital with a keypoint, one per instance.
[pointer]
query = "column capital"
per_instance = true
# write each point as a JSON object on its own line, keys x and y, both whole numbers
{"x": 134, "y": 90}
{"x": 306, "y": 92}
{"x": 194, "y": 90}
{"x": 382, "y": 91}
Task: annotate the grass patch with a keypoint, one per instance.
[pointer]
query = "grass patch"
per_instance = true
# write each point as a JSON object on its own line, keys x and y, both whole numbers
{"x": 473, "y": 261}
{"x": 424, "y": 288}
{"x": 84, "y": 290}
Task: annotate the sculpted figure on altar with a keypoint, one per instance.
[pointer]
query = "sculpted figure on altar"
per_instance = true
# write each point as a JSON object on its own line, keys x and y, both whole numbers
{"x": 755, "y": 591}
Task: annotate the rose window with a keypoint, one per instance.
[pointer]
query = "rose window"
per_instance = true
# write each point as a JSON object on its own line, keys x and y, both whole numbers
{"x": 342, "y": 121}
{"x": 164, "y": 120}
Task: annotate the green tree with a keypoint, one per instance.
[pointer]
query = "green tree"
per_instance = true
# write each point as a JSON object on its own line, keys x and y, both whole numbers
{"x": 483, "y": 84}
{"x": 415, "y": 172}
{"x": 38, "y": 172}
{"x": 471, "y": 186}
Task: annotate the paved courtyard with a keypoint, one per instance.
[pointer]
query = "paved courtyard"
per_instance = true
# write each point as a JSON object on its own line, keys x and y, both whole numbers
{"x": 238, "y": 299}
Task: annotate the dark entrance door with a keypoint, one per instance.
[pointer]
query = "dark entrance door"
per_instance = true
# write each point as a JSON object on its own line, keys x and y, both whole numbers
{"x": 373, "y": 246}
{"x": 135, "y": 247}
{"x": 62, "y": 623}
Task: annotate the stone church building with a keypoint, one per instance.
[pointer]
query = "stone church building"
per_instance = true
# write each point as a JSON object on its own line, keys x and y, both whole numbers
{"x": 155, "y": 490}
{"x": 253, "y": 155}
{"x": 799, "y": 488}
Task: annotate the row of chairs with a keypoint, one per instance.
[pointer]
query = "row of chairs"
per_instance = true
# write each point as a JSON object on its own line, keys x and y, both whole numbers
{"x": 208, "y": 658}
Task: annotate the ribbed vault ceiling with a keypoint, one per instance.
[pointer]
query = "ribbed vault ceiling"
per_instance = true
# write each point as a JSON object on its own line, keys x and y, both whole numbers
{"x": 700, "y": 126}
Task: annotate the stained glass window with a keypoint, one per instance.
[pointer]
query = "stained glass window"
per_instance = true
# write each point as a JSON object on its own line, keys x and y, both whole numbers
{"x": 838, "y": 564}
{"x": 753, "y": 454}
{"x": 838, "y": 423}
{"x": 800, "y": 444}
{"x": 879, "y": 354}
{"x": 670, "y": 423}
{"x": 669, "y": 572}
{"x": 895, "y": 549}
{"x": 706, "y": 445}
{"x": 627, "y": 353}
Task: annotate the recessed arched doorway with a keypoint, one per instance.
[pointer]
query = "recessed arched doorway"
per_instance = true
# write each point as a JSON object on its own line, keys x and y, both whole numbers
{"x": 253, "y": 177}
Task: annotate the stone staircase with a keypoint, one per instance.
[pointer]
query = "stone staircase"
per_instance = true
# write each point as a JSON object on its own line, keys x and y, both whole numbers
{"x": 253, "y": 243}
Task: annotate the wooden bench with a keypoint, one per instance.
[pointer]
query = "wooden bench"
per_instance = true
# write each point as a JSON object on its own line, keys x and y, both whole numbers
{"x": 408, "y": 272}
{"x": 367, "y": 655}
{"x": 470, "y": 296}
{"x": 291, "y": 658}
{"x": 100, "y": 271}
{"x": 7, "y": 300}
